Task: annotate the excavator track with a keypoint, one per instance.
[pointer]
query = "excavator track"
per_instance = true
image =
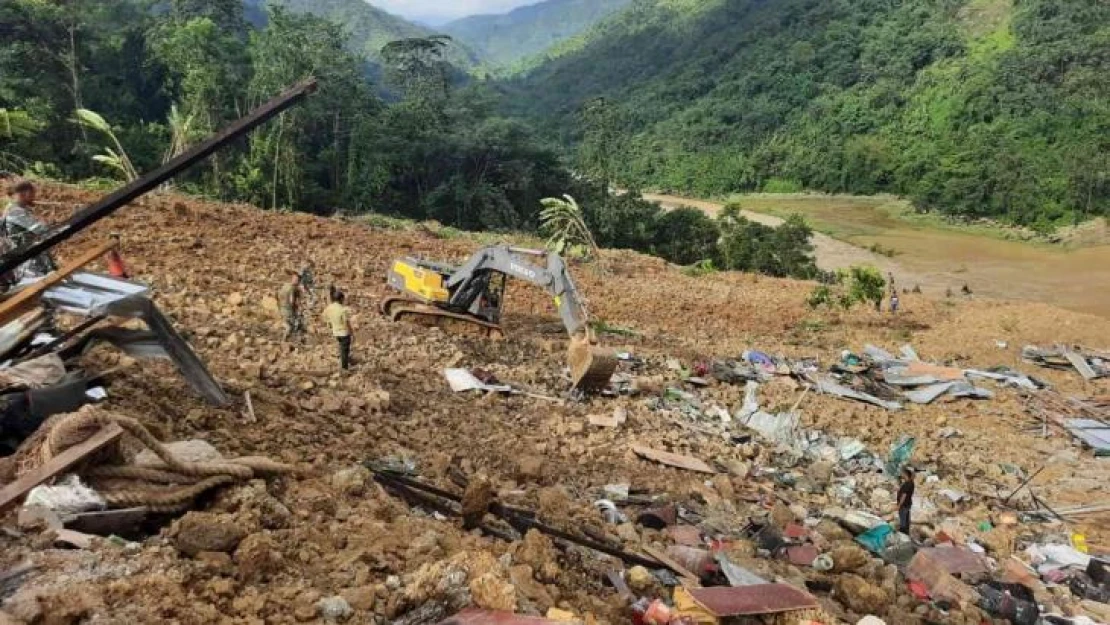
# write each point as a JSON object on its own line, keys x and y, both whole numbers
{"x": 415, "y": 311}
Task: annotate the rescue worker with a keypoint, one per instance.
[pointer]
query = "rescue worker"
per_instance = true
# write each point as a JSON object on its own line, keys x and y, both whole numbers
{"x": 905, "y": 501}
{"x": 289, "y": 300}
{"x": 338, "y": 318}
{"x": 21, "y": 227}
{"x": 307, "y": 277}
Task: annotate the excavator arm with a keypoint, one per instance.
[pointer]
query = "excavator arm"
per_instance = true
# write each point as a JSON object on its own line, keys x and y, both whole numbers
{"x": 591, "y": 367}
{"x": 468, "y": 282}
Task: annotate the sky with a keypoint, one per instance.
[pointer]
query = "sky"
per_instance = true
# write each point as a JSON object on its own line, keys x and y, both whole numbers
{"x": 439, "y": 11}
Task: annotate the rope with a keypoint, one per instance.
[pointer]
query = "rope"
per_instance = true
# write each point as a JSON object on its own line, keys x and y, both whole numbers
{"x": 175, "y": 485}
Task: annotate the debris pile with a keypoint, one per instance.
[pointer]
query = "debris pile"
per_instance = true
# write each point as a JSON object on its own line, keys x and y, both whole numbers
{"x": 742, "y": 467}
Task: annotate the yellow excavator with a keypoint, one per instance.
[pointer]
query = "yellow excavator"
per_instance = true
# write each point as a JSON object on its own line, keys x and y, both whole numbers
{"x": 474, "y": 293}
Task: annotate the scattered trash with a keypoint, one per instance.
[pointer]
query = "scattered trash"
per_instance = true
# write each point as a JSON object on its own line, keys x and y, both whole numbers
{"x": 828, "y": 386}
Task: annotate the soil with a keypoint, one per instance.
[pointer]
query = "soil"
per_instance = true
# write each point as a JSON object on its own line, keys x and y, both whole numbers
{"x": 277, "y": 552}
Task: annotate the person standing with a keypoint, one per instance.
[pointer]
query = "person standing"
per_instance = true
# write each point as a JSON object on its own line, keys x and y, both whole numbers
{"x": 289, "y": 300}
{"x": 905, "y": 500}
{"x": 307, "y": 277}
{"x": 338, "y": 318}
{"x": 20, "y": 227}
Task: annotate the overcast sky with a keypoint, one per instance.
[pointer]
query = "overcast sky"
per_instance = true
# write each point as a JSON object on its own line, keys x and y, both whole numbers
{"x": 444, "y": 10}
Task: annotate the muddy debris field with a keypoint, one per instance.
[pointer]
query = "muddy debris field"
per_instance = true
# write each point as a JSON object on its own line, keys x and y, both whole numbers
{"x": 786, "y": 487}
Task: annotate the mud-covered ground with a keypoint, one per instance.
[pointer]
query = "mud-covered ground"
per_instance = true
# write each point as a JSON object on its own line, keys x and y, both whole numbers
{"x": 216, "y": 269}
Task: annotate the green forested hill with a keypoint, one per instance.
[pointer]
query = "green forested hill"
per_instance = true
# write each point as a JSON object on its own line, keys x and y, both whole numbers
{"x": 502, "y": 40}
{"x": 369, "y": 27}
{"x": 973, "y": 107}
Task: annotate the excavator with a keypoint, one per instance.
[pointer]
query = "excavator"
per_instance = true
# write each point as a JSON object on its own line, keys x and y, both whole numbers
{"x": 474, "y": 292}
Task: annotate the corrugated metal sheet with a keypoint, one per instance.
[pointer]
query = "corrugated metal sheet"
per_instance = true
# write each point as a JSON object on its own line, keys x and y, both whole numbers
{"x": 1094, "y": 433}
{"x": 753, "y": 600}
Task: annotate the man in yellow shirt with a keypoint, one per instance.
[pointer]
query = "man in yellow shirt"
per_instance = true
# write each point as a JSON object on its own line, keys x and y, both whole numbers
{"x": 338, "y": 318}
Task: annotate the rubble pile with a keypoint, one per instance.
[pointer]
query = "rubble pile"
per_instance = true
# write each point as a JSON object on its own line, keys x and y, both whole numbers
{"x": 742, "y": 468}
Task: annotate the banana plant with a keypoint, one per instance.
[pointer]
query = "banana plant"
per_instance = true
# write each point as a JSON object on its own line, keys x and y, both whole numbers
{"x": 562, "y": 221}
{"x": 114, "y": 156}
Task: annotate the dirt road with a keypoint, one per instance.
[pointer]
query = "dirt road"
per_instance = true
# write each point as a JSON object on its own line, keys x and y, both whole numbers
{"x": 940, "y": 259}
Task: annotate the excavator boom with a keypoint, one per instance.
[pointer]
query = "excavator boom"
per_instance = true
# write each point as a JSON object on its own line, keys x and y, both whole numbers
{"x": 472, "y": 292}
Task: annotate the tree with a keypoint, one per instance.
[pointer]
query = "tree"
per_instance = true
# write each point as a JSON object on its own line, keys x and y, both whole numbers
{"x": 685, "y": 236}
{"x": 416, "y": 67}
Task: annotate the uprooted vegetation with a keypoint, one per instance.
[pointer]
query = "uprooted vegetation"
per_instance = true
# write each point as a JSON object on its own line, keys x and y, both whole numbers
{"x": 302, "y": 546}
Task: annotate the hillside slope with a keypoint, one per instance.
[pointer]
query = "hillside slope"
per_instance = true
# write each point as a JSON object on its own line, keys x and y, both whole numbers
{"x": 371, "y": 28}
{"x": 504, "y": 39}
{"x": 331, "y": 531}
{"x": 973, "y": 107}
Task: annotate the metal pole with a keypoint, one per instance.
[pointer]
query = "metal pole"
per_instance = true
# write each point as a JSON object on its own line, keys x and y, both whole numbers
{"x": 93, "y": 213}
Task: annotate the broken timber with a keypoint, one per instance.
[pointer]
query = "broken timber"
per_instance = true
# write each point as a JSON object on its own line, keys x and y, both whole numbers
{"x": 18, "y": 303}
{"x": 58, "y": 464}
{"x": 521, "y": 520}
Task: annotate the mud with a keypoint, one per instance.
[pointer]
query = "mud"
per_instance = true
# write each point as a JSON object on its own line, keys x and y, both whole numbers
{"x": 333, "y": 532}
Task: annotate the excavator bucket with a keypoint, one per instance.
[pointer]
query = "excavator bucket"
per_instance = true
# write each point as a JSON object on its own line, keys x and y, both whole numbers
{"x": 590, "y": 366}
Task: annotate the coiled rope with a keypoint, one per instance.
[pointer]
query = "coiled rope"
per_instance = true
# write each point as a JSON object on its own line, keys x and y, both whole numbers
{"x": 169, "y": 488}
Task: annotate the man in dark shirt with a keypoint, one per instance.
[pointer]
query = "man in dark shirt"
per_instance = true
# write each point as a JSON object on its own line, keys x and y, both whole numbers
{"x": 905, "y": 500}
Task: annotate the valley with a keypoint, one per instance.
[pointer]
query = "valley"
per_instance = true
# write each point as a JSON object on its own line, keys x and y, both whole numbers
{"x": 936, "y": 258}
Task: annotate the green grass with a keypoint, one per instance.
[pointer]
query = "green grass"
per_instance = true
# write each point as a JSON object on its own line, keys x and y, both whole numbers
{"x": 600, "y": 326}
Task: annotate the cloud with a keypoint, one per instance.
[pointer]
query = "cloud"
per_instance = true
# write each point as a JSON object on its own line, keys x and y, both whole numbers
{"x": 447, "y": 9}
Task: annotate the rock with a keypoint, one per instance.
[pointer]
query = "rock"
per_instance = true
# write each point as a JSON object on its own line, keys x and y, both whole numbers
{"x": 640, "y": 580}
{"x": 999, "y": 542}
{"x": 215, "y": 561}
{"x": 799, "y": 511}
{"x": 723, "y": 485}
{"x": 194, "y": 450}
{"x": 850, "y": 558}
{"x": 738, "y": 468}
{"x": 860, "y": 595}
{"x": 351, "y": 481}
{"x": 235, "y": 299}
{"x": 304, "y": 606}
{"x": 201, "y": 531}
{"x": 491, "y": 592}
{"x": 781, "y": 515}
{"x": 476, "y": 500}
{"x": 523, "y": 577}
{"x": 258, "y": 557}
{"x": 361, "y": 597}
{"x": 530, "y": 468}
{"x": 538, "y": 552}
{"x": 820, "y": 473}
{"x": 334, "y": 609}
{"x": 627, "y": 533}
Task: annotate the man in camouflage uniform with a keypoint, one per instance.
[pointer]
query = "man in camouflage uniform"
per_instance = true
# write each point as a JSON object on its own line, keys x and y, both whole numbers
{"x": 289, "y": 301}
{"x": 19, "y": 227}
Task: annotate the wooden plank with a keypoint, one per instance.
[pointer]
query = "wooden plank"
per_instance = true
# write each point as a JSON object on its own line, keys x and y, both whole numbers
{"x": 942, "y": 374}
{"x": 690, "y": 578}
{"x": 24, "y": 298}
{"x": 64, "y": 461}
{"x": 672, "y": 460}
